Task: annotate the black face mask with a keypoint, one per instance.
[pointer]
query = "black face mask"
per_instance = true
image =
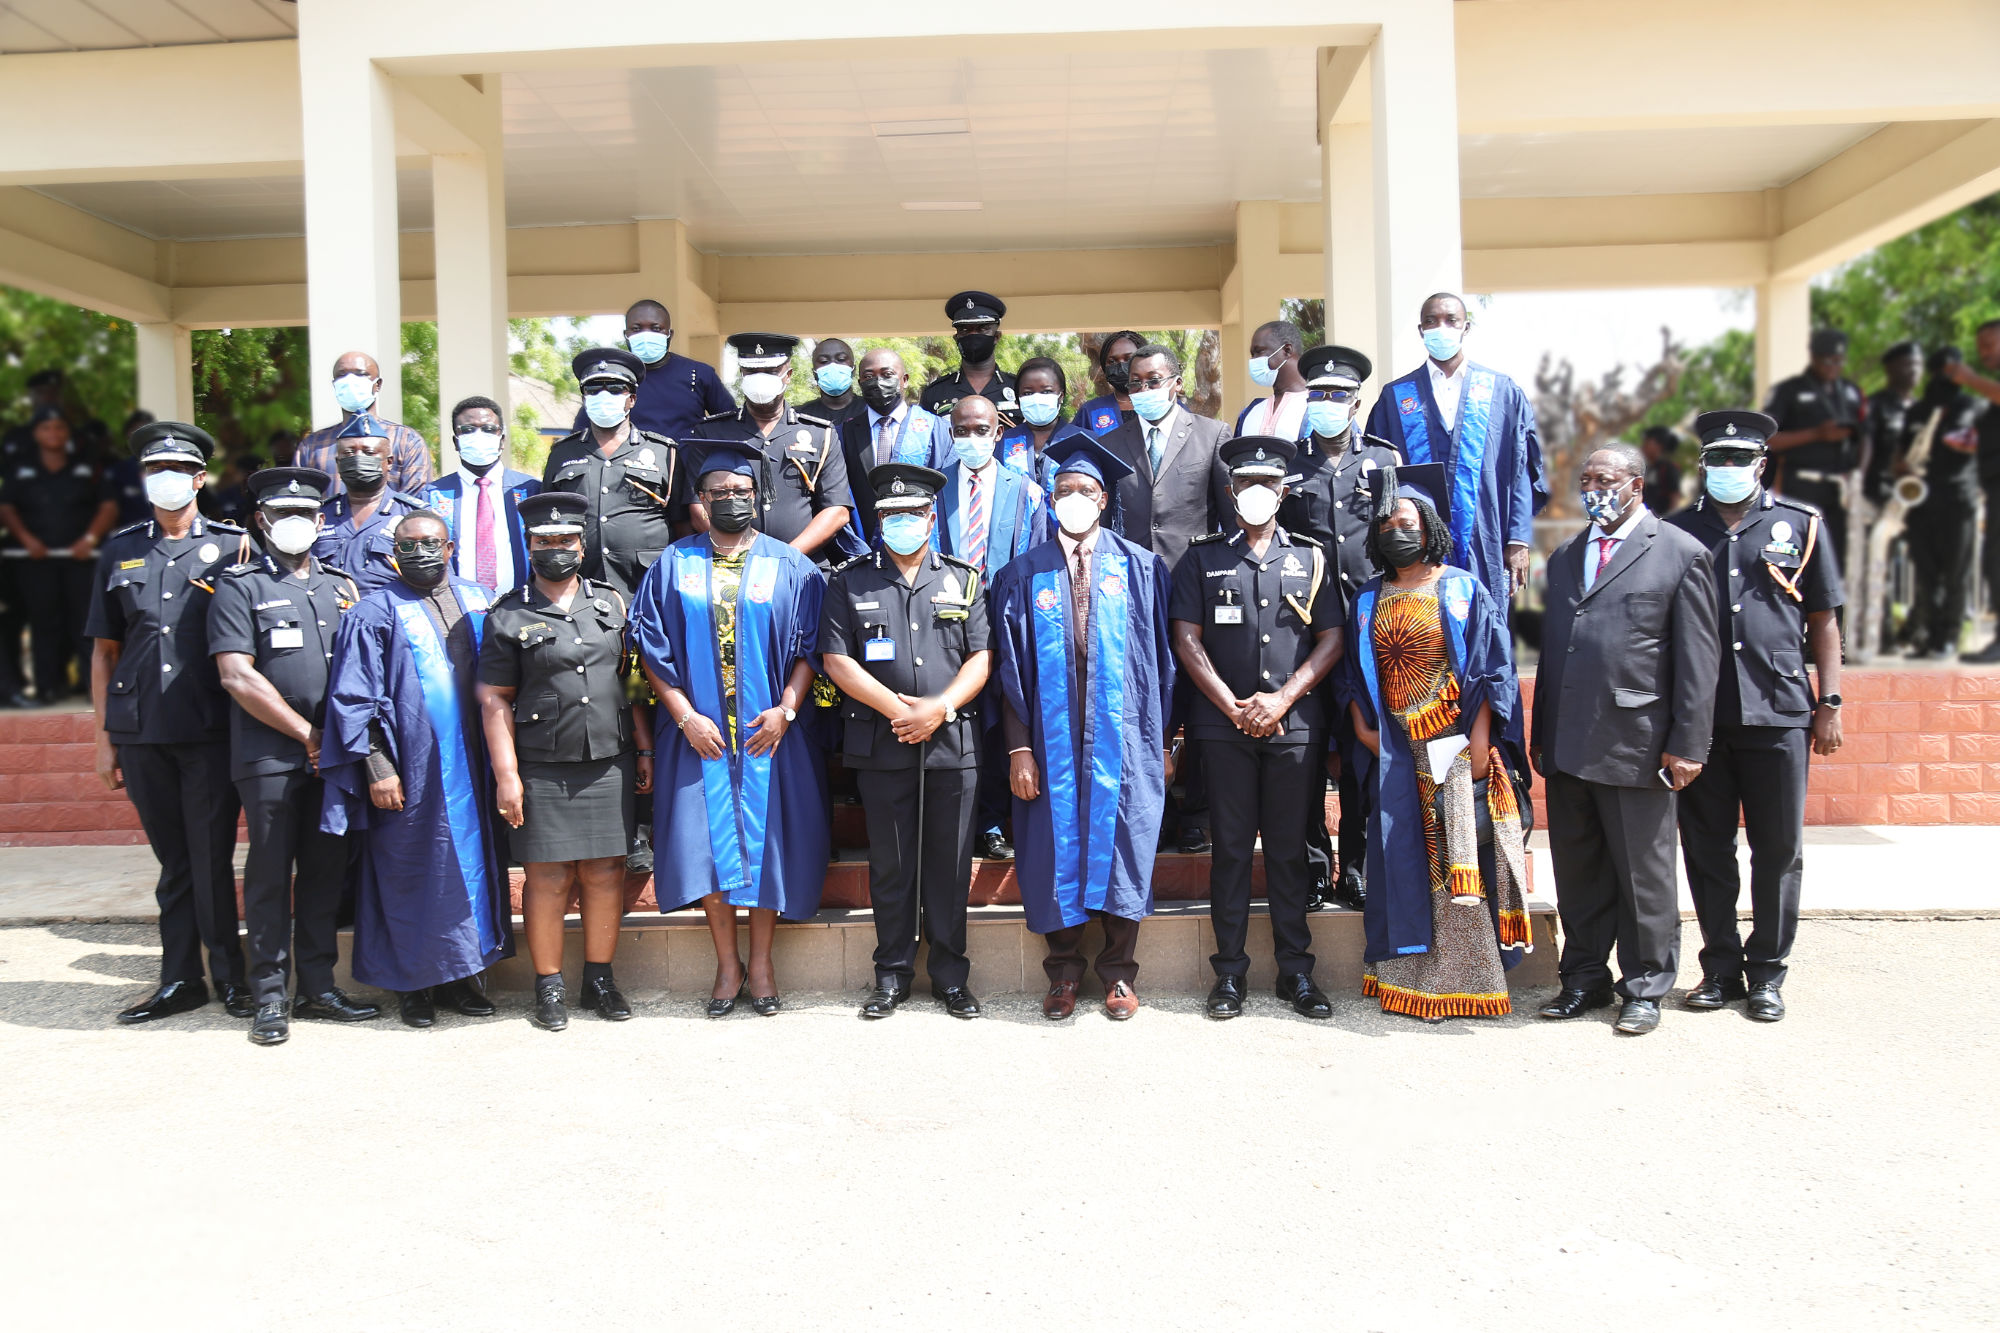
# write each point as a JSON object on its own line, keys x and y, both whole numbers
{"x": 360, "y": 472}
{"x": 422, "y": 569}
{"x": 1401, "y": 547}
{"x": 557, "y": 564}
{"x": 882, "y": 395}
{"x": 732, "y": 513}
{"x": 1118, "y": 374}
{"x": 977, "y": 347}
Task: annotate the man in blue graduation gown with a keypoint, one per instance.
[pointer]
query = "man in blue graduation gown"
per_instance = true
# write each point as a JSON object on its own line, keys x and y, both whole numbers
{"x": 405, "y": 767}
{"x": 1479, "y": 424}
{"x": 1087, "y": 670}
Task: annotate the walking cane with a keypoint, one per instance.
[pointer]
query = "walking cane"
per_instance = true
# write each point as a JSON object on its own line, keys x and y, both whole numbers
{"x": 923, "y": 753}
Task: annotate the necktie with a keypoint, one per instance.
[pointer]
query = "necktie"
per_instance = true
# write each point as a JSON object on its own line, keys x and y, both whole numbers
{"x": 1605, "y": 547}
{"x": 486, "y": 556}
{"x": 1079, "y": 593}
{"x": 1153, "y": 448}
{"x": 975, "y": 521}
{"x": 884, "y": 440}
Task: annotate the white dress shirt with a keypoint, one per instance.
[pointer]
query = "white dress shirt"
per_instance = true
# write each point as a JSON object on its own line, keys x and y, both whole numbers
{"x": 465, "y": 524}
{"x": 989, "y": 477}
{"x": 1618, "y": 534}
{"x": 1069, "y": 545}
{"x": 875, "y": 433}
{"x": 1280, "y": 415}
{"x": 1447, "y": 389}
{"x": 1165, "y": 425}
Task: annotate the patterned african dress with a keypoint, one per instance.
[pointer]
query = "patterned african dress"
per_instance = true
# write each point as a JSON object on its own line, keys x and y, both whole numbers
{"x": 1462, "y": 973}
{"x": 726, "y": 586}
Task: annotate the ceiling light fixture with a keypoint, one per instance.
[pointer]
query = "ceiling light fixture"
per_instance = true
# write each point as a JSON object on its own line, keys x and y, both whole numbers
{"x": 942, "y": 206}
{"x": 915, "y": 129}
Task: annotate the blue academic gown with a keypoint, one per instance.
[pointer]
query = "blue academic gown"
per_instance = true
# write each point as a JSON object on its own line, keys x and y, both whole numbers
{"x": 1086, "y": 842}
{"x": 1019, "y": 516}
{"x": 1017, "y": 450}
{"x": 753, "y": 827}
{"x": 1397, "y": 914}
{"x": 1099, "y": 415}
{"x": 432, "y": 905}
{"x": 448, "y": 495}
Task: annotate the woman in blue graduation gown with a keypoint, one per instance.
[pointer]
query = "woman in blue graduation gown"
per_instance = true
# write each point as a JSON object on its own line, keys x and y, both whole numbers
{"x": 727, "y": 623}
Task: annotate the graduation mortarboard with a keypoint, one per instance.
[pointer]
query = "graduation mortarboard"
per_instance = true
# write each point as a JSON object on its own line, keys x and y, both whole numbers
{"x": 762, "y": 351}
{"x": 739, "y": 457}
{"x": 1335, "y": 367}
{"x": 300, "y": 488}
{"x": 904, "y": 486}
{"x": 1828, "y": 342}
{"x": 1734, "y": 430}
{"x": 1258, "y": 457}
{"x": 365, "y": 425}
{"x": 607, "y": 363}
{"x": 1416, "y": 481}
{"x": 172, "y": 439}
{"x": 553, "y": 513}
{"x": 1083, "y": 453}
{"x": 975, "y": 308}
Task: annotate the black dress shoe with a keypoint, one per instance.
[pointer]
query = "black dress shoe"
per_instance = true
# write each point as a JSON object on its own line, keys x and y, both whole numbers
{"x": 549, "y": 1013}
{"x": 1638, "y": 1017}
{"x": 1570, "y": 1002}
{"x": 957, "y": 1000}
{"x": 1225, "y": 998}
{"x": 416, "y": 1008}
{"x": 725, "y": 1007}
{"x": 176, "y": 997}
{"x": 765, "y": 1005}
{"x": 335, "y": 1004}
{"x": 602, "y": 997}
{"x": 1321, "y": 896}
{"x": 238, "y": 1000}
{"x": 884, "y": 999}
{"x": 1766, "y": 1004}
{"x": 1305, "y": 996}
{"x": 1193, "y": 841}
{"x": 1350, "y": 891}
{"x": 271, "y": 1027}
{"x": 1714, "y": 992}
{"x": 466, "y": 997}
{"x": 993, "y": 847}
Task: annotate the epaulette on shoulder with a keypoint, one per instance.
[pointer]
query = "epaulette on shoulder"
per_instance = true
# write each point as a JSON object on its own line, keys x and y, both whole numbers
{"x": 130, "y": 527}
{"x": 1304, "y": 540}
{"x": 501, "y": 599}
{"x": 851, "y": 562}
{"x": 955, "y": 560}
{"x": 1803, "y": 506}
{"x": 243, "y": 567}
{"x": 812, "y": 420}
{"x": 224, "y": 525}
{"x": 719, "y": 416}
{"x": 1207, "y": 537}
{"x": 655, "y": 437}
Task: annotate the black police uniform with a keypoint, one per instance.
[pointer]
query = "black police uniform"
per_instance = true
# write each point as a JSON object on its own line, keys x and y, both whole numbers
{"x": 943, "y": 393}
{"x": 913, "y": 637}
{"x": 1763, "y": 718}
{"x": 166, "y": 712}
{"x": 1889, "y": 432}
{"x": 1816, "y": 473}
{"x": 636, "y": 496}
{"x": 1259, "y": 617}
{"x": 58, "y": 508}
{"x": 285, "y": 620}
{"x": 803, "y": 472}
{"x": 366, "y": 551}
{"x": 1941, "y": 532}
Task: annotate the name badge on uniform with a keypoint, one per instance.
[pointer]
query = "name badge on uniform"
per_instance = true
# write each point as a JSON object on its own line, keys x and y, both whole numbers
{"x": 879, "y": 650}
{"x": 1228, "y": 615}
{"x": 288, "y": 636}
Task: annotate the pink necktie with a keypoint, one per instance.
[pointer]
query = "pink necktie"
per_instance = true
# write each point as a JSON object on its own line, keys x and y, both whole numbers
{"x": 1605, "y": 547}
{"x": 975, "y": 522}
{"x": 486, "y": 557}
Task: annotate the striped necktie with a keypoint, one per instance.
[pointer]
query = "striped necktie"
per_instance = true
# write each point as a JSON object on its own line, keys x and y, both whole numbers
{"x": 975, "y": 521}
{"x": 485, "y": 552}
{"x": 1153, "y": 448}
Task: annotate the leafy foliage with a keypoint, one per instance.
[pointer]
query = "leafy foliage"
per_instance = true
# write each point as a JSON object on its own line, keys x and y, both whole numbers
{"x": 1937, "y": 284}
{"x": 97, "y": 354}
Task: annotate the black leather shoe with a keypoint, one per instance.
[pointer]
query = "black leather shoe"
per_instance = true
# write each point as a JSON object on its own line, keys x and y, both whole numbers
{"x": 1225, "y": 998}
{"x": 1638, "y": 1017}
{"x": 1766, "y": 1004}
{"x": 335, "y": 1004}
{"x": 416, "y": 1008}
{"x": 1193, "y": 841}
{"x": 176, "y": 997}
{"x": 237, "y": 1000}
{"x": 1569, "y": 1002}
{"x": 1349, "y": 891}
{"x": 884, "y": 999}
{"x": 957, "y": 1000}
{"x": 549, "y": 1013}
{"x": 602, "y": 997}
{"x": 1714, "y": 992}
{"x": 270, "y": 1027}
{"x": 993, "y": 847}
{"x": 466, "y": 997}
{"x": 1305, "y": 996}
{"x": 765, "y": 1005}
{"x": 1321, "y": 896}
{"x": 724, "y": 1008}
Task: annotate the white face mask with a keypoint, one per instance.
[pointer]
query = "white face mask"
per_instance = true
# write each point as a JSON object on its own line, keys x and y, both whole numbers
{"x": 763, "y": 387}
{"x": 293, "y": 534}
{"x": 171, "y": 491}
{"x": 480, "y": 448}
{"x": 605, "y": 410}
{"x": 1257, "y": 505}
{"x": 1076, "y": 512}
{"x": 353, "y": 392}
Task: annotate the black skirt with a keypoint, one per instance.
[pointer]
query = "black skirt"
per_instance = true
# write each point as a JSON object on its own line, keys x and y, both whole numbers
{"x": 575, "y": 811}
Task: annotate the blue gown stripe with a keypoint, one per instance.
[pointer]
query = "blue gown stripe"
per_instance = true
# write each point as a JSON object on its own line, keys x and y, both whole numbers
{"x": 455, "y": 781}
{"x": 1051, "y": 633}
{"x": 1416, "y": 430}
{"x": 1106, "y": 720}
{"x": 1475, "y": 416}
{"x": 753, "y": 696}
{"x": 704, "y": 678}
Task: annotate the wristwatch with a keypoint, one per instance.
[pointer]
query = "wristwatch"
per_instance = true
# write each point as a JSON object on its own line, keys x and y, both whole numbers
{"x": 950, "y": 713}
{"x": 791, "y": 714}
{"x": 1829, "y": 701}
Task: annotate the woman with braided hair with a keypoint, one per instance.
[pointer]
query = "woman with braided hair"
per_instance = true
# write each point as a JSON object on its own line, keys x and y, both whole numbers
{"x": 1431, "y": 688}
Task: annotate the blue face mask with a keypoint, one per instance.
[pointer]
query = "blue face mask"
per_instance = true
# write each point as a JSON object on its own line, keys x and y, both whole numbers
{"x": 649, "y": 346}
{"x": 353, "y": 392}
{"x": 834, "y": 379}
{"x": 1328, "y": 420}
{"x": 1443, "y": 342}
{"x": 973, "y": 450}
{"x": 1263, "y": 372}
{"x": 905, "y": 534}
{"x": 1730, "y": 485}
{"x": 1039, "y": 409}
{"x": 604, "y": 409}
{"x": 1152, "y": 404}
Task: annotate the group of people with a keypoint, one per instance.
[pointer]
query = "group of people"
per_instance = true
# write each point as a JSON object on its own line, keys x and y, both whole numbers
{"x": 993, "y": 615}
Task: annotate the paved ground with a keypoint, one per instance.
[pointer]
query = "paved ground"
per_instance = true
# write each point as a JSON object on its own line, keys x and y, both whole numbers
{"x": 810, "y": 1171}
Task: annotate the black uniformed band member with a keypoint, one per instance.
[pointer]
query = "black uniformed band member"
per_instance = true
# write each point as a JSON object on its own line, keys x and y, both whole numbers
{"x": 59, "y": 505}
{"x": 162, "y": 718}
{"x": 1777, "y": 587}
{"x": 559, "y": 730}
{"x": 802, "y": 494}
{"x": 975, "y": 321}
{"x": 1329, "y": 497}
{"x": 1820, "y": 417}
{"x": 271, "y": 629}
{"x": 904, "y": 634}
{"x": 629, "y": 477}
{"x": 1256, "y": 624}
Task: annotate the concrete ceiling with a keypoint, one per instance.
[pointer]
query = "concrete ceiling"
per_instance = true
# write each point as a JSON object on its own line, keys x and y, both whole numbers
{"x": 109, "y": 25}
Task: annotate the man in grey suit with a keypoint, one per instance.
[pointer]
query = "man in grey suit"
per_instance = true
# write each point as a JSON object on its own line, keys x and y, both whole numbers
{"x": 1624, "y": 703}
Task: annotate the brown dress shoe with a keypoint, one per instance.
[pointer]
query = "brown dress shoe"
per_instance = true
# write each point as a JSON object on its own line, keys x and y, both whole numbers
{"x": 1060, "y": 1002}
{"x": 1121, "y": 1002}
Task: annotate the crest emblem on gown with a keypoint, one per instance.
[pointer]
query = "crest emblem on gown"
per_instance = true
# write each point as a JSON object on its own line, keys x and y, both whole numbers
{"x": 692, "y": 580}
{"x": 1407, "y": 402}
{"x": 1046, "y": 599}
{"x": 761, "y": 580}
{"x": 1112, "y": 586}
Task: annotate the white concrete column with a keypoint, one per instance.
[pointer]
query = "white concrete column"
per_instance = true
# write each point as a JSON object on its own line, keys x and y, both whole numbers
{"x": 673, "y": 271}
{"x": 166, "y": 371}
{"x": 353, "y": 289}
{"x": 1418, "y": 246}
{"x": 469, "y": 206}
{"x": 1347, "y": 193}
{"x": 1253, "y": 295}
{"x": 1784, "y": 326}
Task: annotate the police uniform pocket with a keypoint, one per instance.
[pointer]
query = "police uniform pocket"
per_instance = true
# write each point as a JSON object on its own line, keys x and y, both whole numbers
{"x": 280, "y": 631}
{"x": 858, "y": 729}
{"x": 121, "y": 706}
{"x": 535, "y": 722}
{"x": 569, "y": 472}
{"x": 1790, "y": 692}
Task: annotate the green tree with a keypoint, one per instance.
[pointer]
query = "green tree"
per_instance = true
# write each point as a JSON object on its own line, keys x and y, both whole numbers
{"x": 96, "y": 353}
{"x": 249, "y": 383}
{"x": 1937, "y": 285}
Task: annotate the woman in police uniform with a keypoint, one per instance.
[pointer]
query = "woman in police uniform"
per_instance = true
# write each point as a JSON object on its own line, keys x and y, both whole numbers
{"x": 559, "y": 728}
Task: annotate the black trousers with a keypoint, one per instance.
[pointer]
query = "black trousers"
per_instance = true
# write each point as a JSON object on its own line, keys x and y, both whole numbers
{"x": 187, "y": 806}
{"x": 1117, "y": 961}
{"x": 895, "y": 852}
{"x": 290, "y": 917}
{"x": 1612, "y": 849}
{"x": 1257, "y": 786}
{"x": 1989, "y": 555}
{"x": 13, "y": 619}
{"x": 1761, "y": 772}
{"x": 56, "y": 592}
{"x": 1941, "y": 534}
{"x": 996, "y": 798}
{"x": 1356, "y": 804}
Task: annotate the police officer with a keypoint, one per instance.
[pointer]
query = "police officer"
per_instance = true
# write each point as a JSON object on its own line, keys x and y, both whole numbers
{"x": 58, "y": 506}
{"x": 802, "y": 494}
{"x": 360, "y": 522}
{"x": 1329, "y": 496}
{"x": 162, "y": 715}
{"x": 1256, "y": 626}
{"x": 904, "y": 634}
{"x": 1820, "y": 417}
{"x": 270, "y": 629}
{"x": 975, "y": 320}
{"x": 1777, "y": 587}
{"x": 630, "y": 477}
{"x": 1889, "y": 424}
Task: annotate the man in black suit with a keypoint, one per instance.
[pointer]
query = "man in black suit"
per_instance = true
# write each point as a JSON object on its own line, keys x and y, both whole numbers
{"x": 1624, "y": 704}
